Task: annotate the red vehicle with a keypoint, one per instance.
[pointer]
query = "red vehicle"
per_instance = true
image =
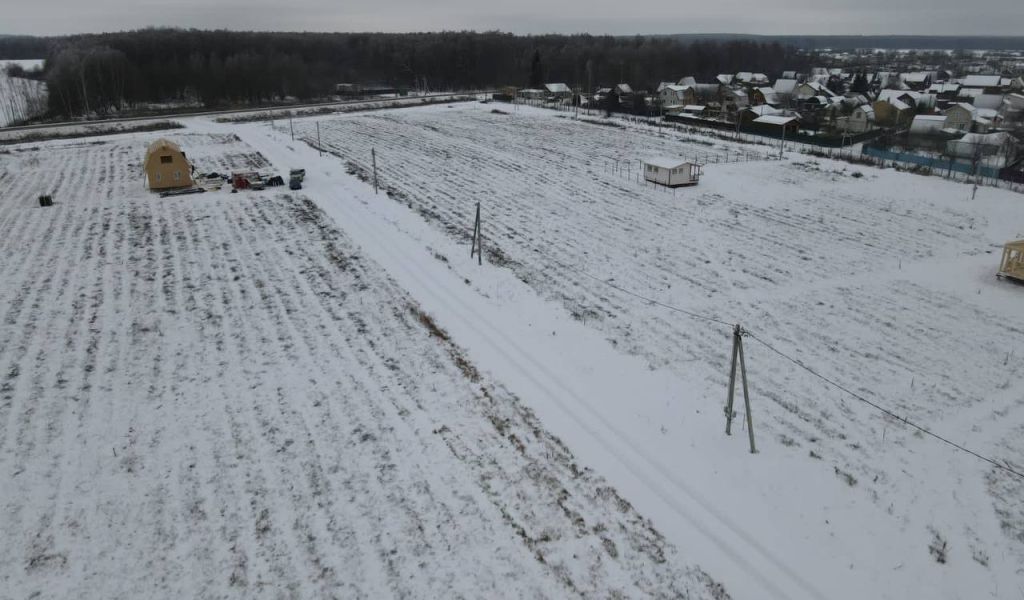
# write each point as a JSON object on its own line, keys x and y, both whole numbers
{"x": 244, "y": 181}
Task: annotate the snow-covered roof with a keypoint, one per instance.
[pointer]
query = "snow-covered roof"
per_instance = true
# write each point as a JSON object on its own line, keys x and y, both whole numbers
{"x": 916, "y": 77}
{"x": 966, "y": 92}
{"x": 962, "y": 105}
{"x": 982, "y": 81}
{"x": 986, "y": 113}
{"x": 898, "y": 104}
{"x": 624, "y": 88}
{"x": 764, "y": 110}
{"x": 925, "y": 124}
{"x": 557, "y": 88}
{"x": 867, "y": 109}
{"x": 819, "y": 89}
{"x": 676, "y": 88}
{"x": 775, "y": 120}
{"x": 665, "y": 162}
{"x": 988, "y": 101}
{"x": 785, "y": 86}
{"x": 694, "y": 108}
{"x": 769, "y": 94}
{"x": 724, "y": 78}
{"x": 687, "y": 81}
{"x": 943, "y": 88}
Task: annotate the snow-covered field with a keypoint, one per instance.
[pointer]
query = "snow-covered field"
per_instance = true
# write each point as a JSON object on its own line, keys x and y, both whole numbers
{"x": 220, "y": 396}
{"x": 319, "y": 393}
{"x": 20, "y": 98}
{"x": 883, "y": 282}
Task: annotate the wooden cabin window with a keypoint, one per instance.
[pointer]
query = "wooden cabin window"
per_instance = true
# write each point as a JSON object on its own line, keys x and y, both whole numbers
{"x": 166, "y": 160}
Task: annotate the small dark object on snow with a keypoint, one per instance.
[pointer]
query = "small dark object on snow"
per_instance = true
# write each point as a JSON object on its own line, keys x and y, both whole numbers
{"x": 295, "y": 183}
{"x": 46, "y": 200}
{"x": 213, "y": 175}
{"x": 300, "y": 173}
{"x": 275, "y": 180}
{"x": 184, "y": 192}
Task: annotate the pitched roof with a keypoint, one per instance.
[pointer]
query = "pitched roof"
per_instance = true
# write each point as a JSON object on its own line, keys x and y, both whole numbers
{"x": 161, "y": 145}
{"x": 982, "y": 81}
{"x": 665, "y": 162}
{"x": 968, "y": 107}
{"x": 785, "y": 86}
{"x": 557, "y": 88}
{"x": 775, "y": 120}
{"x": 764, "y": 110}
{"x": 928, "y": 124}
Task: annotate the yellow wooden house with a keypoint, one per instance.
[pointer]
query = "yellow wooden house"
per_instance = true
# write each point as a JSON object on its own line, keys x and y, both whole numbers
{"x": 1013, "y": 261}
{"x": 167, "y": 166}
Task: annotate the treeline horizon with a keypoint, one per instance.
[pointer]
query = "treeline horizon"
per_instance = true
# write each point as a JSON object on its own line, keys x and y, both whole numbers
{"x": 105, "y": 73}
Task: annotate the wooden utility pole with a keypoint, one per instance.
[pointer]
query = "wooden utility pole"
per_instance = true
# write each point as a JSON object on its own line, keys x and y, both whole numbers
{"x": 373, "y": 154}
{"x": 737, "y": 351}
{"x": 477, "y": 246}
{"x": 291, "y": 126}
{"x": 319, "y": 148}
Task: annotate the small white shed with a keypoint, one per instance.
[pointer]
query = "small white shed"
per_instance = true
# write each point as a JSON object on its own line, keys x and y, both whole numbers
{"x": 671, "y": 172}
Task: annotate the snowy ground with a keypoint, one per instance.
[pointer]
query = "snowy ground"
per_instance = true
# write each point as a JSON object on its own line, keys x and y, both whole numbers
{"x": 20, "y": 98}
{"x": 880, "y": 280}
{"x": 221, "y": 396}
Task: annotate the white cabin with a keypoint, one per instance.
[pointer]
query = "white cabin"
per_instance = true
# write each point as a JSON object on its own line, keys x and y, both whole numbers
{"x": 671, "y": 172}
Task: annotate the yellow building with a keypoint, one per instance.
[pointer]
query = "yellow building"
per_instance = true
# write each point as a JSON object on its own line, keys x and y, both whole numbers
{"x": 166, "y": 166}
{"x": 1013, "y": 260}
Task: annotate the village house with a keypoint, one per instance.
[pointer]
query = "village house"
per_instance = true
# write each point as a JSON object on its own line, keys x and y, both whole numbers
{"x": 917, "y": 80}
{"x": 764, "y": 95}
{"x": 928, "y": 125}
{"x": 861, "y": 119}
{"x": 735, "y": 99}
{"x": 784, "y": 87}
{"x": 810, "y": 89}
{"x": 166, "y": 166}
{"x": 671, "y": 172}
{"x": 960, "y": 116}
{"x": 694, "y": 110}
{"x": 892, "y": 112}
{"x": 778, "y": 125}
{"x": 558, "y": 91}
{"x": 750, "y": 113}
{"x": 676, "y": 95}
{"x": 991, "y": 84}
{"x": 996, "y": 150}
{"x": 757, "y": 79}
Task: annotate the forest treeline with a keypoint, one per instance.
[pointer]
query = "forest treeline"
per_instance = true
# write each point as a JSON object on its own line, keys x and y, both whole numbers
{"x": 103, "y": 73}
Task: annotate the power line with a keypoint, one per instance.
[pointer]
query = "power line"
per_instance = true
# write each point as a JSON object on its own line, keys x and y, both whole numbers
{"x": 882, "y": 409}
{"x": 796, "y": 362}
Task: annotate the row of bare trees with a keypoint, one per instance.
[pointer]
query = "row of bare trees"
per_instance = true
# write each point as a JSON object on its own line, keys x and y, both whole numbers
{"x": 20, "y": 97}
{"x": 102, "y": 73}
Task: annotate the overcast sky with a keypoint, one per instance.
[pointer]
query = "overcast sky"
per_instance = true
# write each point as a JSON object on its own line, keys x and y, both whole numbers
{"x": 927, "y": 17}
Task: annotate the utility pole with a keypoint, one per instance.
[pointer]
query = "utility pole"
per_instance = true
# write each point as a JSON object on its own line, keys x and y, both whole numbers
{"x": 737, "y": 351}
{"x": 782, "y": 146}
{"x": 373, "y": 154}
{"x": 477, "y": 246}
{"x": 291, "y": 126}
{"x": 319, "y": 148}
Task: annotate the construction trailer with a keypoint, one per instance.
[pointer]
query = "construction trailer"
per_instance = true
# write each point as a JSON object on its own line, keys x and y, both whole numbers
{"x": 671, "y": 172}
{"x": 1013, "y": 261}
{"x": 166, "y": 166}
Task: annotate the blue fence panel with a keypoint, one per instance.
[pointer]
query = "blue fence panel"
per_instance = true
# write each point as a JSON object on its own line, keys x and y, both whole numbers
{"x": 936, "y": 164}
